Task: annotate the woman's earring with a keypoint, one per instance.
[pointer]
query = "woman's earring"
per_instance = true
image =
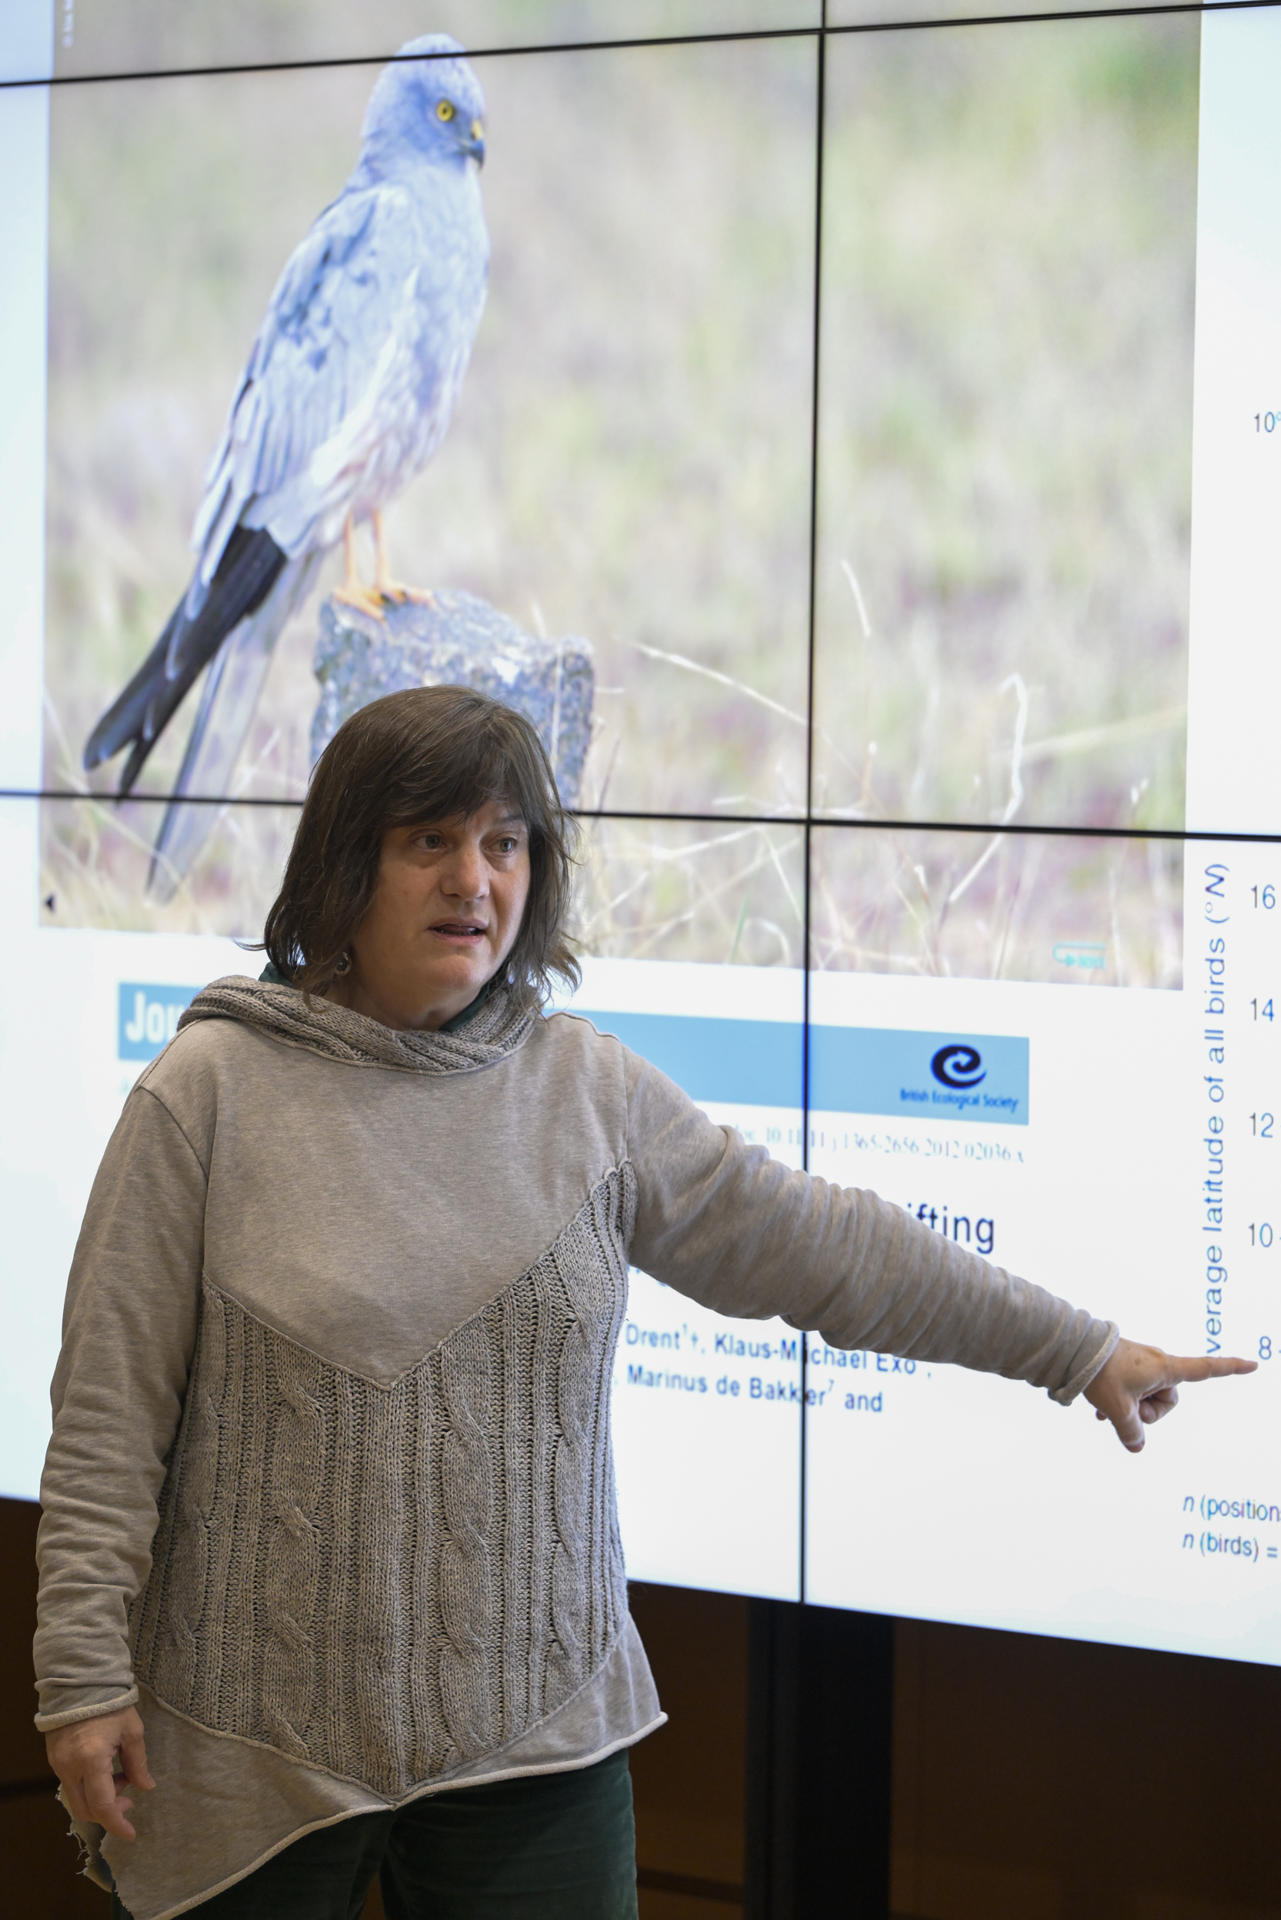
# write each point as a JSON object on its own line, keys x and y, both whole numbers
{"x": 344, "y": 963}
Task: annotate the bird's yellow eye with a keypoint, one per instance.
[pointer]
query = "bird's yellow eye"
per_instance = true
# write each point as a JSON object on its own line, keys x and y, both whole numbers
{"x": 445, "y": 109}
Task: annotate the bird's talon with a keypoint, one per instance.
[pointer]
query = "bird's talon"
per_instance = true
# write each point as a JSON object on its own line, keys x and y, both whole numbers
{"x": 362, "y": 600}
{"x": 394, "y": 593}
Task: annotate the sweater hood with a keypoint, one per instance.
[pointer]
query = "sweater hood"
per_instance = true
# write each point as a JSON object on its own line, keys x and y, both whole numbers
{"x": 496, "y": 1030}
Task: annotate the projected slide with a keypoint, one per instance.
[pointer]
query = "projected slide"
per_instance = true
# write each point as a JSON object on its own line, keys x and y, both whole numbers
{"x": 860, "y": 453}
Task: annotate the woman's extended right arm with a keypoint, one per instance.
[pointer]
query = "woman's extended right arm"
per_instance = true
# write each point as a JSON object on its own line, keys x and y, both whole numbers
{"x": 129, "y": 1328}
{"x": 724, "y": 1223}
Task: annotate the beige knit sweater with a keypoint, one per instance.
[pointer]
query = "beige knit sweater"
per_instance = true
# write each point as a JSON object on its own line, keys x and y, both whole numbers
{"x": 330, "y": 1490}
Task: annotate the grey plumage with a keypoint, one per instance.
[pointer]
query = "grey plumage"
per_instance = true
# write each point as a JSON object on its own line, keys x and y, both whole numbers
{"x": 348, "y": 391}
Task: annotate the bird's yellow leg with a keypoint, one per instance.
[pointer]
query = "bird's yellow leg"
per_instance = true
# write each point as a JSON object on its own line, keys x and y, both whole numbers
{"x": 351, "y": 593}
{"x": 394, "y": 589}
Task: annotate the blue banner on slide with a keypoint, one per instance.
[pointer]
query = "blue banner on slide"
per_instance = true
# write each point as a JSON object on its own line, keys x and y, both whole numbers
{"x": 753, "y": 1063}
{"x": 148, "y": 1017}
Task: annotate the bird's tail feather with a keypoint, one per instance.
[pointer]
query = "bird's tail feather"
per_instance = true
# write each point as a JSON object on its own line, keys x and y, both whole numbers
{"x": 245, "y": 576}
{"x": 126, "y": 719}
{"x": 227, "y": 703}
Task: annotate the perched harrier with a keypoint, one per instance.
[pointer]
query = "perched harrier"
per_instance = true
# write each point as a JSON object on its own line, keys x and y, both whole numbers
{"x": 348, "y": 392}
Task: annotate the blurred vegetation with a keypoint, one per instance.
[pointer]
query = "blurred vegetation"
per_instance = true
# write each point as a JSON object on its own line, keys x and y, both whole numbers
{"x": 998, "y": 907}
{"x": 855, "y": 13}
{"x": 148, "y": 36}
{"x": 95, "y": 855}
{"x": 1006, "y": 392}
{"x": 652, "y": 890}
{"x": 1006, "y": 415}
{"x": 661, "y": 890}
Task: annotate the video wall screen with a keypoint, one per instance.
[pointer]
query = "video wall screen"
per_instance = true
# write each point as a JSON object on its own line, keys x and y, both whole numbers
{"x": 859, "y": 454}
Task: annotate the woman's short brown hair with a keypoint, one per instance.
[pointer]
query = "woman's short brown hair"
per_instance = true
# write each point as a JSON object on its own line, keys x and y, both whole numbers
{"x": 427, "y": 753}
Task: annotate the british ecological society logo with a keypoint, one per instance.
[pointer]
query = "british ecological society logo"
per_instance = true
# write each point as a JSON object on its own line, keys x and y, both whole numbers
{"x": 983, "y": 1077}
{"x": 958, "y": 1066}
{"x": 940, "y": 1076}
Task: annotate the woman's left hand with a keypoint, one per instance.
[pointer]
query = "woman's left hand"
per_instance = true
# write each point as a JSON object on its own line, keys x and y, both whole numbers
{"x": 1139, "y": 1384}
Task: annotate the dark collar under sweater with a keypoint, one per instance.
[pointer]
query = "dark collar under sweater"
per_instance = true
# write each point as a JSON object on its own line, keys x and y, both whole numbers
{"x": 495, "y": 1030}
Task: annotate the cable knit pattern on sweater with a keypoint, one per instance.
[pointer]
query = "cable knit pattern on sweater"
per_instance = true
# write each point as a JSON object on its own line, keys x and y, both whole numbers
{"x": 388, "y": 1581}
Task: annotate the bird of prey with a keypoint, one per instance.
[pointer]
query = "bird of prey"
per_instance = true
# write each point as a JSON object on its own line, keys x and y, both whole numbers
{"x": 348, "y": 392}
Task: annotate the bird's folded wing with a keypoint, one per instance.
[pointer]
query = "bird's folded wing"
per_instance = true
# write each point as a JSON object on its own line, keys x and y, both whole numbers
{"x": 317, "y": 355}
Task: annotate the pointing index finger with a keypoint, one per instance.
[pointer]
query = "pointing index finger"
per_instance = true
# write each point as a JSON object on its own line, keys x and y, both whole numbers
{"x": 1209, "y": 1366}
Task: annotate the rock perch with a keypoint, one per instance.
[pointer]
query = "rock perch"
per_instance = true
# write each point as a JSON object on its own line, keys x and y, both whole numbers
{"x": 457, "y": 640}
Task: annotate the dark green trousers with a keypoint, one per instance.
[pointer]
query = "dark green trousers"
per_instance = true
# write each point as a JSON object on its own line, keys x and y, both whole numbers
{"x": 554, "y": 1846}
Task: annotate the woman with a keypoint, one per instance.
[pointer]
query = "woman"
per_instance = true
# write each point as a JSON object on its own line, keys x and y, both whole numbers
{"x": 330, "y": 1492}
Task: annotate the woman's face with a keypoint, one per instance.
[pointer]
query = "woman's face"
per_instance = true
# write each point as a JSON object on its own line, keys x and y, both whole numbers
{"x": 445, "y": 914}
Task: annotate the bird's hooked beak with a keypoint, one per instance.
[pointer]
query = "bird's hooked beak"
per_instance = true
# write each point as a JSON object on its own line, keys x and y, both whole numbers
{"x": 474, "y": 144}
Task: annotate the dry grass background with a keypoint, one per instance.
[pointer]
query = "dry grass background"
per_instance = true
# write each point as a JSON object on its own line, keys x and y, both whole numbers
{"x": 1006, "y": 422}
{"x": 1004, "y": 460}
{"x": 145, "y": 36}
